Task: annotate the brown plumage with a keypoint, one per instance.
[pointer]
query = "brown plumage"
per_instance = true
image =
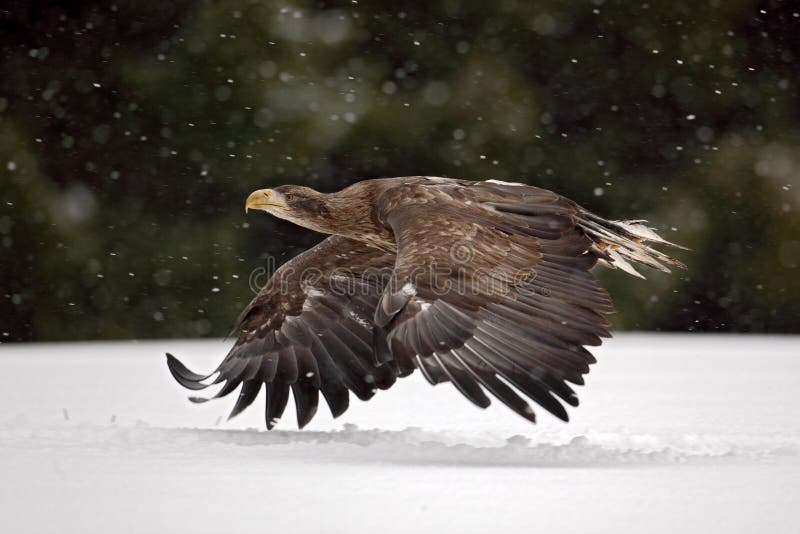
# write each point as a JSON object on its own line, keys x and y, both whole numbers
{"x": 486, "y": 285}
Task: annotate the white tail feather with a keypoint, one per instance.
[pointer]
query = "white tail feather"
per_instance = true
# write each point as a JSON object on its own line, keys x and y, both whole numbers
{"x": 618, "y": 243}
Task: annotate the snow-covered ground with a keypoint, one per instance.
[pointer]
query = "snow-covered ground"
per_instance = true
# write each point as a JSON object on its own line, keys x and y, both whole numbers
{"x": 687, "y": 433}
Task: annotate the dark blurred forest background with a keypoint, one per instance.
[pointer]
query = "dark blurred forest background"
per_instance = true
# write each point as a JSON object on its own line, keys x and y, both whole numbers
{"x": 131, "y": 133}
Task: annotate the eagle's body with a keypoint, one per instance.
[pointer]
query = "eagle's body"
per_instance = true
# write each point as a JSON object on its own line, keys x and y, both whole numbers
{"x": 486, "y": 285}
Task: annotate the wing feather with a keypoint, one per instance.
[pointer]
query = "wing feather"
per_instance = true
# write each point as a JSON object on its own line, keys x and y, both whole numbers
{"x": 519, "y": 308}
{"x": 305, "y": 336}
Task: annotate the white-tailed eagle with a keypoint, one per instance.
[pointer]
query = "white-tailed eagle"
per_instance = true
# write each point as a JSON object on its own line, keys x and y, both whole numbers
{"x": 486, "y": 285}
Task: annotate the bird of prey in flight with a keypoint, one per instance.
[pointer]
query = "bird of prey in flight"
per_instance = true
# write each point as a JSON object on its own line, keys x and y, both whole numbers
{"x": 486, "y": 285}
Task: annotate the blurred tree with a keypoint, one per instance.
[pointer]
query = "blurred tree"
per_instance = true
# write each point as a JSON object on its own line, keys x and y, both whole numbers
{"x": 130, "y": 134}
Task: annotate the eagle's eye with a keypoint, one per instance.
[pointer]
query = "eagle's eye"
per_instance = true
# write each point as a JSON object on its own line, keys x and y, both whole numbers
{"x": 289, "y": 197}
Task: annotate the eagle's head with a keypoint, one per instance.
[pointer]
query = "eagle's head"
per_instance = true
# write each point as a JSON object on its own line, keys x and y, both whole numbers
{"x": 298, "y": 204}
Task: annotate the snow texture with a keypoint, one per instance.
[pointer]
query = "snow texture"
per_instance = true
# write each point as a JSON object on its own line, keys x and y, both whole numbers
{"x": 689, "y": 433}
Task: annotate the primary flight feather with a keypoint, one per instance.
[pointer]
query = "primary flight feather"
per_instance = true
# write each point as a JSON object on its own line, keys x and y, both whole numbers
{"x": 486, "y": 285}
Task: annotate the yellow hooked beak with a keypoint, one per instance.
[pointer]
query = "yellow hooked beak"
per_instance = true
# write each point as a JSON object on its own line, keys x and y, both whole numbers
{"x": 262, "y": 199}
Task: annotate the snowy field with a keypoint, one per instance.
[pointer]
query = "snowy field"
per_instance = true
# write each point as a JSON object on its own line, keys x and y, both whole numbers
{"x": 675, "y": 433}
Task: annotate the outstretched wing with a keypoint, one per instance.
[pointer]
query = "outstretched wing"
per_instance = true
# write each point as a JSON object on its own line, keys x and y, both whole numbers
{"x": 493, "y": 300}
{"x": 309, "y": 330}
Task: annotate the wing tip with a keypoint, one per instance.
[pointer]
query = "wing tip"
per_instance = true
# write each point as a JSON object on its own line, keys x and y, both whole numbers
{"x": 172, "y": 361}
{"x": 183, "y": 375}
{"x": 303, "y": 420}
{"x": 528, "y": 413}
{"x": 338, "y": 410}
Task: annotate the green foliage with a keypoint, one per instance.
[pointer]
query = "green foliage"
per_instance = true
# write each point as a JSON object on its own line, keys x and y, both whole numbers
{"x": 131, "y": 133}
